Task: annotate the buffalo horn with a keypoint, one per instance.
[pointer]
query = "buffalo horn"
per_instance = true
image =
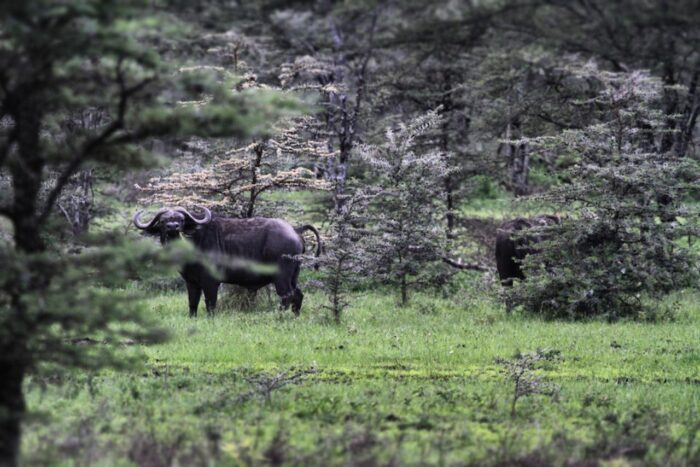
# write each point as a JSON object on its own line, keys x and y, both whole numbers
{"x": 206, "y": 219}
{"x": 140, "y": 225}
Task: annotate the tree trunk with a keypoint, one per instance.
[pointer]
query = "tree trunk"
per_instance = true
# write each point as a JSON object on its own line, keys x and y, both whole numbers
{"x": 520, "y": 160}
{"x": 345, "y": 144}
{"x": 450, "y": 205}
{"x": 404, "y": 290}
{"x": 521, "y": 169}
{"x": 13, "y": 408}
{"x": 78, "y": 207}
{"x": 670, "y": 96}
{"x": 259, "y": 151}
{"x": 448, "y": 107}
{"x": 26, "y": 170}
{"x": 689, "y": 117}
{"x": 14, "y": 362}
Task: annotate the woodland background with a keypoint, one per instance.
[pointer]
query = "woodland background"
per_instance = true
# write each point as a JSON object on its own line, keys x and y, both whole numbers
{"x": 407, "y": 132}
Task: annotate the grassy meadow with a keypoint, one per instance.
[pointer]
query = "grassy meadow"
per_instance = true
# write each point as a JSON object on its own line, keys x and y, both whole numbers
{"x": 389, "y": 386}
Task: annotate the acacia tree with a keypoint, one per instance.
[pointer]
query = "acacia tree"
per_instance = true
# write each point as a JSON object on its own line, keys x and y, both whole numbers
{"x": 409, "y": 234}
{"x": 620, "y": 245}
{"x": 347, "y": 258}
{"x": 236, "y": 180}
{"x": 431, "y": 60}
{"x": 656, "y": 35}
{"x": 512, "y": 94}
{"x": 56, "y": 59}
{"x": 334, "y": 47}
{"x": 77, "y": 199}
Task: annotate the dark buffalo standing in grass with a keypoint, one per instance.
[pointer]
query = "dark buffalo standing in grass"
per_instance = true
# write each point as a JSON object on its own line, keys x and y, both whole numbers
{"x": 251, "y": 253}
{"x": 512, "y": 246}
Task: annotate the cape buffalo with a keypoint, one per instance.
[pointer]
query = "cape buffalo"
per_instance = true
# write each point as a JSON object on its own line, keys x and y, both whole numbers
{"x": 241, "y": 243}
{"x": 512, "y": 246}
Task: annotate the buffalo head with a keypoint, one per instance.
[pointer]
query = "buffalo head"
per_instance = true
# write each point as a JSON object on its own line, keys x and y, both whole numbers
{"x": 170, "y": 223}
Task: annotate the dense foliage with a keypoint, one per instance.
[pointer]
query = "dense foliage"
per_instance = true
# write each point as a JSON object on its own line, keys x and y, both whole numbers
{"x": 62, "y": 62}
{"x": 410, "y": 229}
{"x": 627, "y": 235}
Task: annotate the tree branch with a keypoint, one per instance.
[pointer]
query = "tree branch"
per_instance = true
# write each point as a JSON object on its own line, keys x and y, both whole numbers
{"x": 463, "y": 266}
{"x": 5, "y": 150}
{"x": 100, "y": 140}
{"x": 65, "y": 213}
{"x": 548, "y": 118}
{"x": 362, "y": 82}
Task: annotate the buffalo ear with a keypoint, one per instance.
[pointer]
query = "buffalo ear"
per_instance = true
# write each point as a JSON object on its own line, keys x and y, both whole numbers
{"x": 153, "y": 230}
{"x": 190, "y": 227}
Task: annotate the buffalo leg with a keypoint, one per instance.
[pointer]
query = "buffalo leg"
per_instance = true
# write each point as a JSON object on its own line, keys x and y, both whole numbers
{"x": 296, "y": 301}
{"x": 298, "y": 296}
{"x": 284, "y": 285}
{"x": 194, "y": 292}
{"x": 211, "y": 292}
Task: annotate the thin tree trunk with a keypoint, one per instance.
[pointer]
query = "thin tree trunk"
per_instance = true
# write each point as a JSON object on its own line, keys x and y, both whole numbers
{"x": 450, "y": 205}
{"x": 78, "y": 207}
{"x": 404, "y": 290}
{"x": 259, "y": 150}
{"x": 448, "y": 108}
{"x": 26, "y": 171}
{"x": 85, "y": 202}
{"x": 671, "y": 101}
{"x": 520, "y": 161}
{"x": 523, "y": 173}
{"x": 689, "y": 117}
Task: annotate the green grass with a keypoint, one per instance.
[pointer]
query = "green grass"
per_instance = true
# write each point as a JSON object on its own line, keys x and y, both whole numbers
{"x": 409, "y": 385}
{"x": 502, "y": 208}
{"x": 434, "y": 336}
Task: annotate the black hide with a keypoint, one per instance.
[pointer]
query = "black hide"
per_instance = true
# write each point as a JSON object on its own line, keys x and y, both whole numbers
{"x": 512, "y": 246}
{"x": 251, "y": 253}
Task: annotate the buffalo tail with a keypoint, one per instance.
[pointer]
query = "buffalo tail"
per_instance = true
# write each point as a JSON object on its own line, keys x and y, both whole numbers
{"x": 319, "y": 244}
